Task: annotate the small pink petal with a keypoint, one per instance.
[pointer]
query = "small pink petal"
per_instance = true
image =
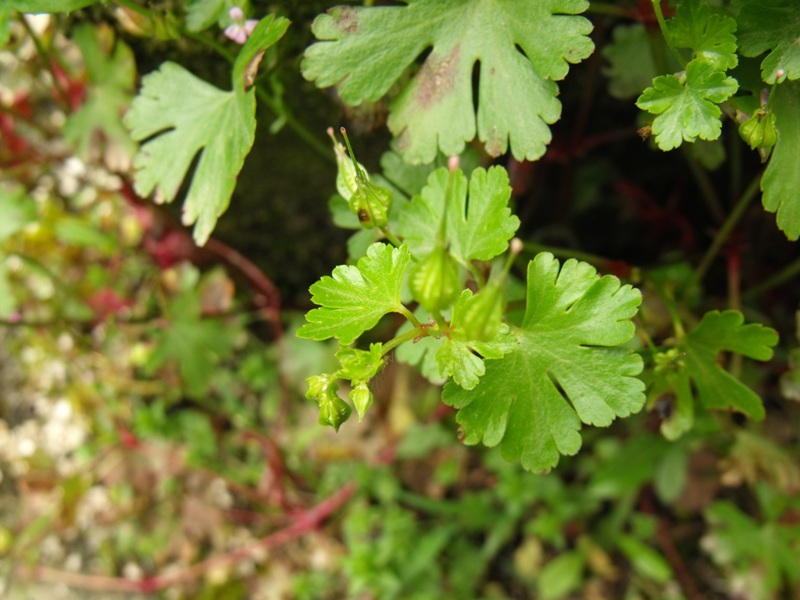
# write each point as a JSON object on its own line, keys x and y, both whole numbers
{"x": 236, "y": 13}
{"x": 236, "y": 33}
{"x": 250, "y": 25}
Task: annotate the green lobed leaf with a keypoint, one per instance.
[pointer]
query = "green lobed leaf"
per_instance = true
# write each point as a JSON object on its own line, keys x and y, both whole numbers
{"x": 718, "y": 332}
{"x": 522, "y": 46}
{"x": 355, "y": 298}
{"x": 631, "y": 68}
{"x": 180, "y": 116}
{"x": 5, "y": 17}
{"x": 268, "y": 31}
{"x": 781, "y": 181}
{"x": 50, "y": 6}
{"x": 477, "y": 228}
{"x": 686, "y": 105}
{"x": 738, "y": 540}
{"x": 183, "y": 116}
{"x": 645, "y": 560}
{"x": 197, "y": 344}
{"x": 710, "y": 37}
{"x": 111, "y": 75}
{"x": 561, "y": 575}
{"x": 567, "y": 367}
{"x": 691, "y": 370}
{"x": 202, "y": 14}
{"x": 17, "y": 209}
{"x": 771, "y": 25}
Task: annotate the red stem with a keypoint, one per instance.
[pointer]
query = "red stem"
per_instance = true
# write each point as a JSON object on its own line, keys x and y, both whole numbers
{"x": 303, "y": 523}
{"x": 667, "y": 545}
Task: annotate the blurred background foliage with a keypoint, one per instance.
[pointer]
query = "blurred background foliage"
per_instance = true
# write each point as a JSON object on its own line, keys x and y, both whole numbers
{"x": 154, "y": 437}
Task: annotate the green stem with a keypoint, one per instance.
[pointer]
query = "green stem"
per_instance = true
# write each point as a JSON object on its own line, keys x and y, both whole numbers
{"x": 418, "y": 331}
{"x": 662, "y": 24}
{"x": 44, "y": 56}
{"x": 788, "y": 273}
{"x": 722, "y": 235}
{"x": 210, "y": 43}
{"x": 704, "y": 183}
{"x": 672, "y": 309}
{"x": 641, "y": 328}
{"x": 391, "y": 236}
{"x": 409, "y": 315}
{"x": 302, "y": 132}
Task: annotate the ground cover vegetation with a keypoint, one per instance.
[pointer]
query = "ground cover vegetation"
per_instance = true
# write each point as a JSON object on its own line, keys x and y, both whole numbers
{"x": 437, "y": 299}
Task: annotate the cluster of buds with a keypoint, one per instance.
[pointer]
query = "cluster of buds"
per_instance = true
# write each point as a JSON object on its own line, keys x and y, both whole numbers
{"x": 241, "y": 28}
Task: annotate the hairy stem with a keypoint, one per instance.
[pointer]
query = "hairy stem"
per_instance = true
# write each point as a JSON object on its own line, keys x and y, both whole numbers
{"x": 418, "y": 331}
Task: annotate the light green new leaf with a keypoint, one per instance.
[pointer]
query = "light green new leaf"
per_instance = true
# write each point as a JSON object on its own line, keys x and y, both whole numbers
{"x": 710, "y": 37}
{"x": 111, "y": 76}
{"x": 476, "y": 229}
{"x": 686, "y": 106}
{"x": 359, "y": 366}
{"x": 522, "y": 46}
{"x": 463, "y": 360}
{"x": 781, "y": 181}
{"x": 566, "y": 368}
{"x": 774, "y": 26}
{"x": 183, "y": 116}
{"x": 355, "y": 298}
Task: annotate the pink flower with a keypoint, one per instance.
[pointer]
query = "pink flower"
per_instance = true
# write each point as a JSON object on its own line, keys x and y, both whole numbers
{"x": 239, "y": 30}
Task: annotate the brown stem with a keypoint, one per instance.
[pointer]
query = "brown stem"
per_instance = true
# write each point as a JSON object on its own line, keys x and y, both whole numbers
{"x": 667, "y": 545}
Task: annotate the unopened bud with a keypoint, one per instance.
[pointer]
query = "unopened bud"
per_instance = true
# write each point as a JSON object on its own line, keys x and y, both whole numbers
{"x": 361, "y": 397}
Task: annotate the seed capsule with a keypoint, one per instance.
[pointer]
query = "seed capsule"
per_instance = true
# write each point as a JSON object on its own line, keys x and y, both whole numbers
{"x": 434, "y": 281}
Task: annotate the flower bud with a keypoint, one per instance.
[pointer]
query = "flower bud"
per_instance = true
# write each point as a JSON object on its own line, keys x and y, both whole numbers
{"x": 361, "y": 397}
{"x": 759, "y": 130}
{"x": 434, "y": 281}
{"x": 333, "y": 410}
